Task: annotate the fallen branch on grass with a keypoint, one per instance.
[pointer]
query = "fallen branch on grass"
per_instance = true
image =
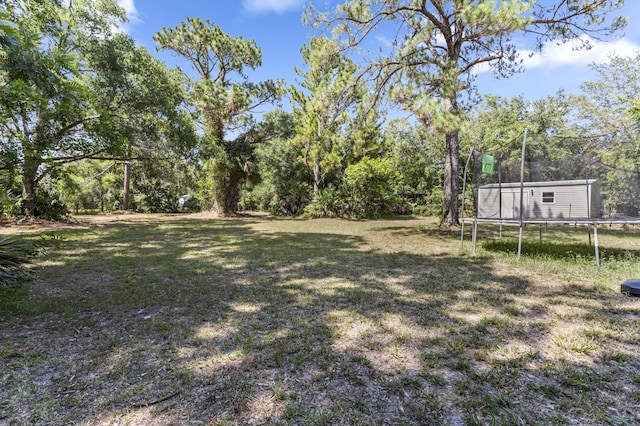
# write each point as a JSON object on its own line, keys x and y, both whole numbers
{"x": 155, "y": 401}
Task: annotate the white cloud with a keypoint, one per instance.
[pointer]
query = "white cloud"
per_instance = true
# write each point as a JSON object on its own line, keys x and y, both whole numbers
{"x": 555, "y": 55}
{"x": 564, "y": 55}
{"x": 265, "y": 6}
{"x": 129, "y": 7}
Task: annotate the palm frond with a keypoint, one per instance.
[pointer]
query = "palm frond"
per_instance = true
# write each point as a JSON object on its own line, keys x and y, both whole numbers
{"x": 14, "y": 256}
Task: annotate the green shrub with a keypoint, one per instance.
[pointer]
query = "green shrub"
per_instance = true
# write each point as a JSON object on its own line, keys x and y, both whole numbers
{"x": 154, "y": 197}
{"x": 49, "y": 205}
{"x": 370, "y": 186}
{"x": 294, "y": 197}
{"x": 251, "y": 199}
{"x": 431, "y": 206}
{"x": 192, "y": 205}
{"x": 328, "y": 202}
{"x": 9, "y": 204}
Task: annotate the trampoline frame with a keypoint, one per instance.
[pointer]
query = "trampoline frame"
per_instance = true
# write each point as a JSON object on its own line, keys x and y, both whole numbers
{"x": 514, "y": 222}
{"x": 522, "y": 221}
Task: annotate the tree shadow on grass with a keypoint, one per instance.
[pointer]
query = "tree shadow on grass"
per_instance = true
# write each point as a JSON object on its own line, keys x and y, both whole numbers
{"x": 214, "y": 321}
{"x": 428, "y": 230}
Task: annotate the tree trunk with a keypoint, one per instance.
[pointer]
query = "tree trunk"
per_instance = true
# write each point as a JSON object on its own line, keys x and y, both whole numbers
{"x": 127, "y": 180}
{"x": 316, "y": 173}
{"x": 231, "y": 193}
{"x": 219, "y": 179}
{"x": 29, "y": 173}
{"x": 451, "y": 187}
{"x": 316, "y": 159}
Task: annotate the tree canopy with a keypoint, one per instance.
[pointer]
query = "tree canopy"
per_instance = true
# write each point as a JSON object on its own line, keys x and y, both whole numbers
{"x": 224, "y": 98}
{"x": 439, "y": 43}
{"x": 47, "y": 106}
{"x": 91, "y": 119}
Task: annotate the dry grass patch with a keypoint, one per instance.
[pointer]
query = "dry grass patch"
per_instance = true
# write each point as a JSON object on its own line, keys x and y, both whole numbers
{"x": 165, "y": 319}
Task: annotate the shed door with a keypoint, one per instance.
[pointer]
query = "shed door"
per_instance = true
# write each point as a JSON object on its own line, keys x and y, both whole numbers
{"x": 511, "y": 205}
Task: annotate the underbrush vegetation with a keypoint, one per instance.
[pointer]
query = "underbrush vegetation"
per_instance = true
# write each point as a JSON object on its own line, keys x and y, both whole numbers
{"x": 167, "y": 319}
{"x": 14, "y": 256}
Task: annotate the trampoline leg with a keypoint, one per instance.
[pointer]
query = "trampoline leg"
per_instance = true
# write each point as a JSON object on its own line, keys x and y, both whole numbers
{"x": 595, "y": 238}
{"x": 474, "y": 236}
{"x": 519, "y": 243}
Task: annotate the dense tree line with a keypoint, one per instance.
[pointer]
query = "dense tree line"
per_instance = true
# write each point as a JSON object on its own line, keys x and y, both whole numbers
{"x": 89, "y": 121}
{"x": 74, "y": 90}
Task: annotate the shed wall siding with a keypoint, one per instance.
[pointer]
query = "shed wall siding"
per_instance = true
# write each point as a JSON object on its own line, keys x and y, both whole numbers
{"x": 576, "y": 201}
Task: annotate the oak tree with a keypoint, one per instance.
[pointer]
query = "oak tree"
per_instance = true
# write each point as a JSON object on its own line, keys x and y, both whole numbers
{"x": 46, "y": 107}
{"x": 143, "y": 105}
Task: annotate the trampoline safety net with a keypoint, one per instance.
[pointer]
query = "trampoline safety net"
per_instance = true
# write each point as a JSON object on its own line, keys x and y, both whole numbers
{"x": 574, "y": 187}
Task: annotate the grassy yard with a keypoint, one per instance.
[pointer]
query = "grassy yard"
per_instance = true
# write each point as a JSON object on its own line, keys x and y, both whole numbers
{"x": 167, "y": 320}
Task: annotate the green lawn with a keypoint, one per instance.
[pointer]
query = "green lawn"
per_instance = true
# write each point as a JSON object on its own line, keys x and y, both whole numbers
{"x": 164, "y": 320}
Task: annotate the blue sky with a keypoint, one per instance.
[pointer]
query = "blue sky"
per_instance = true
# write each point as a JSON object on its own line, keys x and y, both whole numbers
{"x": 276, "y": 26}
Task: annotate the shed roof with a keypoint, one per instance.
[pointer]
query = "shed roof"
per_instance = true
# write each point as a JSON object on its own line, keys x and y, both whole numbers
{"x": 578, "y": 182}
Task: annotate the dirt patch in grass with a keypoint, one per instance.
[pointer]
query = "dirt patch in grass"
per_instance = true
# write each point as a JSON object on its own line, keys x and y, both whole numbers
{"x": 189, "y": 319}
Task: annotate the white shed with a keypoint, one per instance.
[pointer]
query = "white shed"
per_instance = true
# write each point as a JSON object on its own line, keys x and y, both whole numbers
{"x": 568, "y": 199}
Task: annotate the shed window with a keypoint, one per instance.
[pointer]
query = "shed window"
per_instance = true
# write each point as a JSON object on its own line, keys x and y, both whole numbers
{"x": 548, "y": 197}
